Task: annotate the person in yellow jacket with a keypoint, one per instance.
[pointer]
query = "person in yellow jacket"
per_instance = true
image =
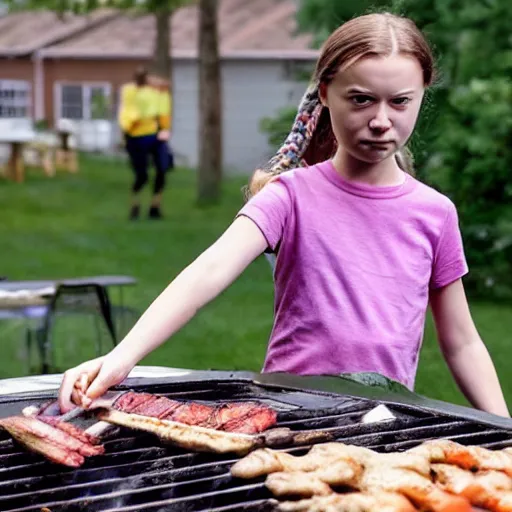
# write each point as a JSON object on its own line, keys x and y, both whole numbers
{"x": 139, "y": 121}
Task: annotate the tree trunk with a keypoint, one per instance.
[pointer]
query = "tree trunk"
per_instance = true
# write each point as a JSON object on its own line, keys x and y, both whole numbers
{"x": 210, "y": 118}
{"x": 161, "y": 53}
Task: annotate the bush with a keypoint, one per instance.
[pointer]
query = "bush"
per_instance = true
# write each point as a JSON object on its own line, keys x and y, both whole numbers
{"x": 277, "y": 128}
{"x": 472, "y": 165}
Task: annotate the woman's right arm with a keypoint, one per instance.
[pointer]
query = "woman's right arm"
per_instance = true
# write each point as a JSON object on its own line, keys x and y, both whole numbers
{"x": 210, "y": 274}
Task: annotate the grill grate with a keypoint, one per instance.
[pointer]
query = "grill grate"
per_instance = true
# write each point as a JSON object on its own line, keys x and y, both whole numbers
{"x": 139, "y": 473}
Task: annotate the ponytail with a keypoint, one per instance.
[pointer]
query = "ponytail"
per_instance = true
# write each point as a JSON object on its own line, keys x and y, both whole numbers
{"x": 405, "y": 160}
{"x": 292, "y": 153}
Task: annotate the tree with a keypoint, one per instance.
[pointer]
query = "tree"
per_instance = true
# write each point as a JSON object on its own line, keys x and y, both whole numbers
{"x": 465, "y": 149}
{"x": 321, "y": 17}
{"x": 210, "y": 158}
{"x": 210, "y": 125}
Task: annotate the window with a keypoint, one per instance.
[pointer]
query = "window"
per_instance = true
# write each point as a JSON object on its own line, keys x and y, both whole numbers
{"x": 15, "y": 99}
{"x": 83, "y": 101}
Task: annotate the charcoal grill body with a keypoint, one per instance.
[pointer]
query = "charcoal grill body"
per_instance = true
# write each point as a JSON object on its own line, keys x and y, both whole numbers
{"x": 139, "y": 473}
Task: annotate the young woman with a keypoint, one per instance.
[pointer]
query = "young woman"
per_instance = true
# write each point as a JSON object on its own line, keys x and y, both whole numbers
{"x": 139, "y": 121}
{"x": 361, "y": 247}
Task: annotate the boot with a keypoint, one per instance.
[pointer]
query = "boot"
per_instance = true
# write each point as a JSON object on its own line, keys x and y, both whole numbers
{"x": 135, "y": 212}
{"x": 155, "y": 213}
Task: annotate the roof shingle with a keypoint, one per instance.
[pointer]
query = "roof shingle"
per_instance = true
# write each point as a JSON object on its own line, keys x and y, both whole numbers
{"x": 257, "y": 28}
{"x": 25, "y": 32}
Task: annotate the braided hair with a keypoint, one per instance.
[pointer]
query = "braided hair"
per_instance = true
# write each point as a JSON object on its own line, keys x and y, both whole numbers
{"x": 293, "y": 151}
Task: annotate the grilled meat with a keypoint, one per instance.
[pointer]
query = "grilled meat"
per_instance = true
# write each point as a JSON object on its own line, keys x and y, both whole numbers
{"x": 467, "y": 457}
{"x": 337, "y": 464}
{"x": 70, "y": 429}
{"x": 266, "y": 461}
{"x": 297, "y": 483}
{"x": 491, "y": 490}
{"x": 351, "y": 502}
{"x": 418, "y": 489}
{"x": 187, "y": 436}
{"x": 55, "y": 443}
{"x": 243, "y": 418}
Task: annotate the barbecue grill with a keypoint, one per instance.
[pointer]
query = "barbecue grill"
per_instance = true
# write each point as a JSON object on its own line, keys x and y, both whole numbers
{"x": 140, "y": 473}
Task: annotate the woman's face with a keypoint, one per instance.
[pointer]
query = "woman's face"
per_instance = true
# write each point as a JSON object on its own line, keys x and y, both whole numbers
{"x": 374, "y": 105}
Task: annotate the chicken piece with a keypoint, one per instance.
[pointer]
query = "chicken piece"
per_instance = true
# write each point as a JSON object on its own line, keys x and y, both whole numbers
{"x": 266, "y": 461}
{"x": 473, "y": 458}
{"x": 494, "y": 480}
{"x": 341, "y": 450}
{"x": 417, "y": 488}
{"x": 263, "y": 462}
{"x": 410, "y": 461}
{"x": 490, "y": 490}
{"x": 297, "y": 483}
{"x": 367, "y": 457}
{"x": 351, "y": 502}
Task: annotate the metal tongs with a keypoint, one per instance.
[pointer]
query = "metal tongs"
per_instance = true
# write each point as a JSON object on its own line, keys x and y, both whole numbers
{"x": 98, "y": 429}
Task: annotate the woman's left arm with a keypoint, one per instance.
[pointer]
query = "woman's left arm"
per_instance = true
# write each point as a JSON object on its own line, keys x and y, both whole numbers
{"x": 464, "y": 351}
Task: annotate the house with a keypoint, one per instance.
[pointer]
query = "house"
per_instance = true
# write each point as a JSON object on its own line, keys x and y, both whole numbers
{"x": 74, "y": 69}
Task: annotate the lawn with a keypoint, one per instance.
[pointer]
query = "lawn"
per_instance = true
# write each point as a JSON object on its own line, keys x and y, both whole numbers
{"x": 76, "y": 225}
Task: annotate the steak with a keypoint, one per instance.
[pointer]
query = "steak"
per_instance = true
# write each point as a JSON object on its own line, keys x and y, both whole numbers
{"x": 241, "y": 417}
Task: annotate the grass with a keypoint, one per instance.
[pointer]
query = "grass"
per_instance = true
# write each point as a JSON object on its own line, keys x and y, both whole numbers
{"x": 76, "y": 225}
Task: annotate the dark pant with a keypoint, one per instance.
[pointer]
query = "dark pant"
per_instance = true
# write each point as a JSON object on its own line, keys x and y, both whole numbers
{"x": 139, "y": 150}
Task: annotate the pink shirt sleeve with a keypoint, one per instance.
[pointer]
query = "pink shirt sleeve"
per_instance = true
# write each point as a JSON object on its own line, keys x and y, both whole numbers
{"x": 269, "y": 209}
{"x": 449, "y": 259}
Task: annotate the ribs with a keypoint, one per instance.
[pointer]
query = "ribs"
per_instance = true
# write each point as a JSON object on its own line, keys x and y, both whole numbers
{"x": 242, "y": 418}
{"x": 70, "y": 429}
{"x": 239, "y": 417}
{"x": 58, "y": 442}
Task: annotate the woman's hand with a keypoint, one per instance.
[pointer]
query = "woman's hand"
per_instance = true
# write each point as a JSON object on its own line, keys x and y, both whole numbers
{"x": 91, "y": 380}
{"x": 163, "y": 135}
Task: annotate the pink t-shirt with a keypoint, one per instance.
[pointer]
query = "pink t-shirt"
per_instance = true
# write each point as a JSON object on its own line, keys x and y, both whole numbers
{"x": 354, "y": 267}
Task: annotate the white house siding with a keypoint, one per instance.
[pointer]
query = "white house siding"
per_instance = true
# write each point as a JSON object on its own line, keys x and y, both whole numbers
{"x": 252, "y": 90}
{"x": 185, "y": 112}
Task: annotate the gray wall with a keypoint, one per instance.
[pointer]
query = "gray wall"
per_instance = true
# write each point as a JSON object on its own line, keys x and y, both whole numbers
{"x": 252, "y": 89}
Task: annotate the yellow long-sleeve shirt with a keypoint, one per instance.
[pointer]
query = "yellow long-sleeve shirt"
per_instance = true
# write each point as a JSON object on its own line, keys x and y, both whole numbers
{"x": 138, "y": 110}
{"x": 164, "y": 110}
